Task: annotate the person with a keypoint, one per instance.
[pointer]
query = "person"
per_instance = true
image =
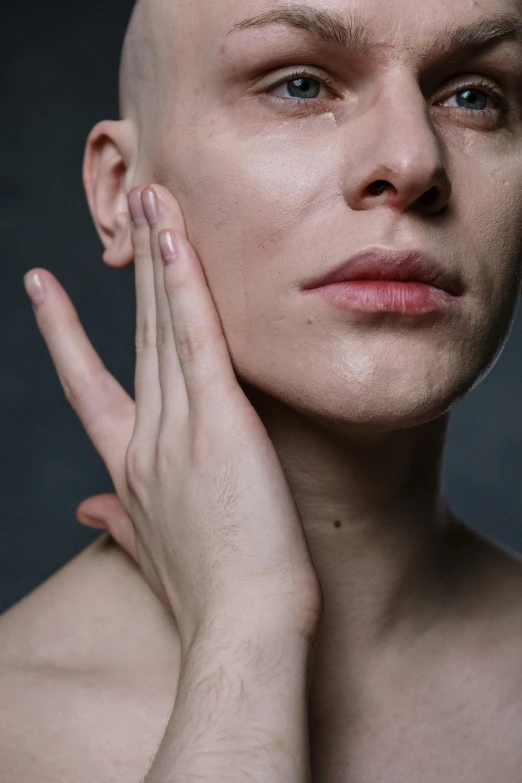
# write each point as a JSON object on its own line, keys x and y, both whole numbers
{"x": 283, "y": 141}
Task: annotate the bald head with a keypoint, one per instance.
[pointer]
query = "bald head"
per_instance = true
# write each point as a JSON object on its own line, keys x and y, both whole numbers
{"x": 139, "y": 64}
{"x": 137, "y": 60}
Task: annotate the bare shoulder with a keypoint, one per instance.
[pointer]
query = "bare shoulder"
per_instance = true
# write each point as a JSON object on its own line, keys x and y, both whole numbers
{"x": 86, "y": 682}
{"x": 95, "y": 611}
{"x": 59, "y": 724}
{"x": 490, "y": 600}
{"x": 501, "y": 570}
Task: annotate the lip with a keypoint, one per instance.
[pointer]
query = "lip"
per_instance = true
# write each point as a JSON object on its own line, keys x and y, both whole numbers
{"x": 383, "y": 263}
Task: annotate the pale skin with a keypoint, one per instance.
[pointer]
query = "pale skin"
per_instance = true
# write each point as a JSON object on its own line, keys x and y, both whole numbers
{"x": 417, "y": 666}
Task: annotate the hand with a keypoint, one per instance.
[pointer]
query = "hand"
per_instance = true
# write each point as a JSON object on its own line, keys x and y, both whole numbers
{"x": 216, "y": 527}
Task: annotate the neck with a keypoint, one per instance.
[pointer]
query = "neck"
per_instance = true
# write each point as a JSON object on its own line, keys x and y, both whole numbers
{"x": 374, "y": 516}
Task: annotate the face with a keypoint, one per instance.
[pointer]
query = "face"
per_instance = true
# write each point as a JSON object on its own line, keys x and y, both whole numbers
{"x": 274, "y": 177}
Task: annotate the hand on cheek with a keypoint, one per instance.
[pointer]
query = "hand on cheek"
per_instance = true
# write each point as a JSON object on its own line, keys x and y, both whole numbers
{"x": 203, "y": 504}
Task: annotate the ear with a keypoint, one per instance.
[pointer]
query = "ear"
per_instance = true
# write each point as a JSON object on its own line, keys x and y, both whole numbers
{"x": 110, "y": 155}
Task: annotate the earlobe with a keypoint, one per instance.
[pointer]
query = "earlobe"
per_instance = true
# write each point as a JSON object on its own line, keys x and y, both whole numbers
{"x": 119, "y": 253}
{"x": 109, "y": 156}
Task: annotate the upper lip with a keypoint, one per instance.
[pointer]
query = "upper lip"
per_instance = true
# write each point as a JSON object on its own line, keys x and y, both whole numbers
{"x": 383, "y": 263}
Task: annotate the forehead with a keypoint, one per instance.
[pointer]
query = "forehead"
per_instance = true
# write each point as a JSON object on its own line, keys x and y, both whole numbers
{"x": 407, "y": 24}
{"x": 197, "y": 38}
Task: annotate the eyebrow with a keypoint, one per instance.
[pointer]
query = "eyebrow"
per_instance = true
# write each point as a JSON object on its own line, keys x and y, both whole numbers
{"x": 332, "y": 28}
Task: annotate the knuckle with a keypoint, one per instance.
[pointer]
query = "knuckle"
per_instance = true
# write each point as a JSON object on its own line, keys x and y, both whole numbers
{"x": 141, "y": 244}
{"x": 164, "y": 333}
{"x": 145, "y": 335}
{"x": 75, "y": 390}
{"x": 175, "y": 284}
{"x": 165, "y": 457}
{"x": 137, "y": 465}
{"x": 190, "y": 346}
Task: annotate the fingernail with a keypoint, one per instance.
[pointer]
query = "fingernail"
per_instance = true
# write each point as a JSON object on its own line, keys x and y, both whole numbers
{"x": 150, "y": 206}
{"x": 34, "y": 288}
{"x": 136, "y": 208}
{"x": 85, "y": 519}
{"x": 168, "y": 247}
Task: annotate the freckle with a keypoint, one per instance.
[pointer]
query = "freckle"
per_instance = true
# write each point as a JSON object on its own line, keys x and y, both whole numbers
{"x": 337, "y": 523}
{"x": 310, "y": 321}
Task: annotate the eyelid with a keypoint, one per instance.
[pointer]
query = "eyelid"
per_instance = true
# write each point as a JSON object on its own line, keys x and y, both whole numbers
{"x": 303, "y": 72}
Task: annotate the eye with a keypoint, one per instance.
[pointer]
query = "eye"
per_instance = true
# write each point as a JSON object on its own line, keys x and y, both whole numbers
{"x": 473, "y": 99}
{"x": 301, "y": 86}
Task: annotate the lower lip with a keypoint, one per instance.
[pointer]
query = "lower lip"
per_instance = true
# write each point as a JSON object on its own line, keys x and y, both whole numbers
{"x": 386, "y": 296}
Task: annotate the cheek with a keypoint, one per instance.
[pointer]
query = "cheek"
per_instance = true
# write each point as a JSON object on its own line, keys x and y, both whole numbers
{"x": 486, "y": 215}
{"x": 250, "y": 207}
{"x": 247, "y": 189}
{"x": 484, "y": 238}
{"x": 489, "y": 235}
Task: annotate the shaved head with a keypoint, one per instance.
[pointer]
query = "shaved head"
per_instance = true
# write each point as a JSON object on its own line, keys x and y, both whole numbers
{"x": 153, "y": 49}
{"x": 138, "y": 61}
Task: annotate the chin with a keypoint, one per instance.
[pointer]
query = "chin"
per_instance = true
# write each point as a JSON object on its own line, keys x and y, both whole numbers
{"x": 368, "y": 380}
{"x": 382, "y": 415}
{"x": 342, "y": 399}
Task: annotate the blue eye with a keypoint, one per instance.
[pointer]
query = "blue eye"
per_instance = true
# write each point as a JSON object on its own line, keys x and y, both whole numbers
{"x": 474, "y": 100}
{"x": 301, "y": 86}
{"x": 473, "y": 97}
{"x": 470, "y": 98}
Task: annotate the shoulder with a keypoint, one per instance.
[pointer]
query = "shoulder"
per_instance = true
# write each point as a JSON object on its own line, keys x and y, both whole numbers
{"x": 490, "y": 605}
{"x": 87, "y": 674}
{"x": 94, "y": 613}
{"x": 76, "y": 726}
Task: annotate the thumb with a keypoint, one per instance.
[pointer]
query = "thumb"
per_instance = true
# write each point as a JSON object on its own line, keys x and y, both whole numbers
{"x": 105, "y": 512}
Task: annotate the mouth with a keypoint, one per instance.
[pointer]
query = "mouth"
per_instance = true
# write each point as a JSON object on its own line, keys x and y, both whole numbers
{"x": 383, "y": 263}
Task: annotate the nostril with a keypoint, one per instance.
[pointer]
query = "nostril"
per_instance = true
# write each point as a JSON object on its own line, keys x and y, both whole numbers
{"x": 378, "y": 187}
{"x": 427, "y": 199}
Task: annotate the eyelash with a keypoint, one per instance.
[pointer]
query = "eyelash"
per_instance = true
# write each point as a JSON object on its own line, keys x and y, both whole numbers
{"x": 494, "y": 92}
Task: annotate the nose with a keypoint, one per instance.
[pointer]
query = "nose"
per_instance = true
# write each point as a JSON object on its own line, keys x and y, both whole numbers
{"x": 401, "y": 158}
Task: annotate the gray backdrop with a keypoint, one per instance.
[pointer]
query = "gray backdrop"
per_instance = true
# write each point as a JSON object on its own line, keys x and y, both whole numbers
{"x": 58, "y": 77}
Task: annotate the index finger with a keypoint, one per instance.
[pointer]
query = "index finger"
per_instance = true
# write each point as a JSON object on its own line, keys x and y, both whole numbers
{"x": 101, "y": 403}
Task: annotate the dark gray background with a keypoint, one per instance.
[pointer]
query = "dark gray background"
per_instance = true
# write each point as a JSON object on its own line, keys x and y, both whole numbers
{"x": 58, "y": 77}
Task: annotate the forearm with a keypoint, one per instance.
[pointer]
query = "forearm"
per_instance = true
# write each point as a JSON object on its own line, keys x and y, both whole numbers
{"x": 241, "y": 710}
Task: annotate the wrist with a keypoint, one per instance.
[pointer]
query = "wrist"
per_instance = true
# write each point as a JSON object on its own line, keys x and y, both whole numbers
{"x": 241, "y": 705}
{"x": 241, "y": 633}
{"x": 262, "y": 624}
